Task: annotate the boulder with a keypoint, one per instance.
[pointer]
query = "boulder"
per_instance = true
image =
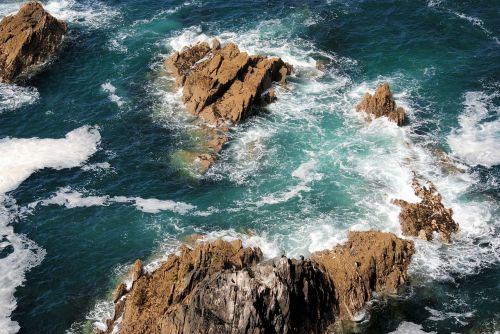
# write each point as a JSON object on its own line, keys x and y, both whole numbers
{"x": 28, "y": 38}
{"x": 368, "y": 262}
{"x": 428, "y": 216}
{"x": 222, "y": 287}
{"x": 382, "y": 104}
{"x": 220, "y": 85}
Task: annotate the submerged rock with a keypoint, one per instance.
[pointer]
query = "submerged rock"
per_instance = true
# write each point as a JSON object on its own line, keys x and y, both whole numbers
{"x": 428, "y": 216}
{"x": 27, "y": 39}
{"x": 221, "y": 287}
{"x": 382, "y": 104}
{"x": 222, "y": 84}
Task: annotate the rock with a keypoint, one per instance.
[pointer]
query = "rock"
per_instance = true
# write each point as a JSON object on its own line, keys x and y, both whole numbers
{"x": 222, "y": 84}
{"x": 382, "y": 104}
{"x": 136, "y": 270}
{"x": 221, "y": 287}
{"x": 368, "y": 262}
{"x": 428, "y": 216}
{"x": 27, "y": 39}
{"x": 119, "y": 292}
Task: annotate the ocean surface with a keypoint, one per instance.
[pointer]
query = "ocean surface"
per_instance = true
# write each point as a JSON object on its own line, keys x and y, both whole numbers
{"x": 89, "y": 179}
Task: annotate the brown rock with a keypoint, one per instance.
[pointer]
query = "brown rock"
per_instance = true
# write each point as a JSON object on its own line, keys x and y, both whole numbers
{"x": 119, "y": 292}
{"x": 136, "y": 270}
{"x": 27, "y": 39}
{"x": 220, "y": 287}
{"x": 367, "y": 262}
{"x": 221, "y": 84}
{"x": 382, "y": 104}
{"x": 428, "y": 216}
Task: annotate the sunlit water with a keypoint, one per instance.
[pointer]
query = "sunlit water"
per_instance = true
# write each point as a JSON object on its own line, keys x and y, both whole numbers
{"x": 89, "y": 181}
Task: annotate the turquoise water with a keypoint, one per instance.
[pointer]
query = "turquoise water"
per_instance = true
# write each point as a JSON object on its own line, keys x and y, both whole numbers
{"x": 77, "y": 211}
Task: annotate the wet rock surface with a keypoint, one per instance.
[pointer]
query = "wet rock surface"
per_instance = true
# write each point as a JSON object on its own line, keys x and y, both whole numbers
{"x": 221, "y": 85}
{"x": 28, "y": 38}
{"x": 221, "y": 287}
{"x": 382, "y": 104}
{"x": 428, "y": 216}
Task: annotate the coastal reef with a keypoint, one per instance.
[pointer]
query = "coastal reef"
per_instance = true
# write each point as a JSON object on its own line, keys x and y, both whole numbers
{"x": 221, "y": 85}
{"x": 223, "y": 287}
{"x": 382, "y": 104}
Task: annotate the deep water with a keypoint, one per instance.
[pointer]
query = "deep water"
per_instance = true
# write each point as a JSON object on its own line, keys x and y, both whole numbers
{"x": 294, "y": 178}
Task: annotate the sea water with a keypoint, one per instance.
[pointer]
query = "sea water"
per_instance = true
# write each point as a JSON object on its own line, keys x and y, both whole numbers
{"x": 89, "y": 181}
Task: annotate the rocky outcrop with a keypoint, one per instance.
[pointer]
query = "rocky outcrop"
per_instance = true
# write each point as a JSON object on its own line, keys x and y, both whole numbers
{"x": 221, "y": 287}
{"x": 428, "y": 216}
{"x": 382, "y": 104}
{"x": 220, "y": 85}
{"x": 368, "y": 262}
{"x": 27, "y": 39}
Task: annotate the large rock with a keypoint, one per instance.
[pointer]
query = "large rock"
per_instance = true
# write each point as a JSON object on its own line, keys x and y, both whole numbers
{"x": 221, "y": 287}
{"x": 368, "y": 262}
{"x": 27, "y": 39}
{"x": 428, "y": 216}
{"x": 382, "y": 104}
{"x": 222, "y": 84}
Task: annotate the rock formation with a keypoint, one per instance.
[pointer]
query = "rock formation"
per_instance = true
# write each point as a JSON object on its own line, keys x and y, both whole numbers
{"x": 27, "y": 39}
{"x": 428, "y": 216}
{"x": 221, "y": 287}
{"x": 382, "y": 104}
{"x": 221, "y": 85}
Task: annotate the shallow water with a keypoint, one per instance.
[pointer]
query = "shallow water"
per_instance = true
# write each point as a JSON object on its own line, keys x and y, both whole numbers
{"x": 77, "y": 210}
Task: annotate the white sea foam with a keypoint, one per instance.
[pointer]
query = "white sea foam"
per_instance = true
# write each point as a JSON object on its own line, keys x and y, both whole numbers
{"x": 406, "y": 327}
{"x": 111, "y": 90}
{"x": 20, "y": 159}
{"x": 13, "y": 96}
{"x": 74, "y": 199}
{"x": 153, "y": 205}
{"x": 477, "y": 141}
{"x": 90, "y": 13}
{"x": 306, "y": 173}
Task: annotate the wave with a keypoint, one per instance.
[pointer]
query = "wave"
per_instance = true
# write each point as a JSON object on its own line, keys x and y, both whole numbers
{"x": 477, "y": 141}
{"x": 13, "y": 96}
{"x": 73, "y": 199}
{"x": 20, "y": 159}
{"x": 111, "y": 90}
{"x": 406, "y": 327}
{"x": 475, "y": 21}
{"x": 89, "y": 13}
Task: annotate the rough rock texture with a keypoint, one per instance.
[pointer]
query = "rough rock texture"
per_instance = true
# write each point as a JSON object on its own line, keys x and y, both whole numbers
{"x": 368, "y": 262}
{"x": 220, "y": 287}
{"x": 28, "y": 38}
{"x": 428, "y": 216}
{"x": 221, "y": 84}
{"x": 382, "y": 104}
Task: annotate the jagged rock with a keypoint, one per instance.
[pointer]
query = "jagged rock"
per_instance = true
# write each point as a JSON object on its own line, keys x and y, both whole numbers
{"x": 136, "y": 271}
{"x": 368, "y": 262}
{"x": 382, "y": 104}
{"x": 428, "y": 216}
{"x": 220, "y": 287}
{"x": 27, "y": 39}
{"x": 221, "y": 84}
{"x": 119, "y": 292}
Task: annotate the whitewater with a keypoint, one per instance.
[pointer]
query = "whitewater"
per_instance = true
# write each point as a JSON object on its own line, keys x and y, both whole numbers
{"x": 89, "y": 181}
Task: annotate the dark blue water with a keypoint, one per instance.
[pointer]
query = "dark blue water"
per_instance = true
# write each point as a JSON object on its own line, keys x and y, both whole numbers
{"x": 109, "y": 188}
